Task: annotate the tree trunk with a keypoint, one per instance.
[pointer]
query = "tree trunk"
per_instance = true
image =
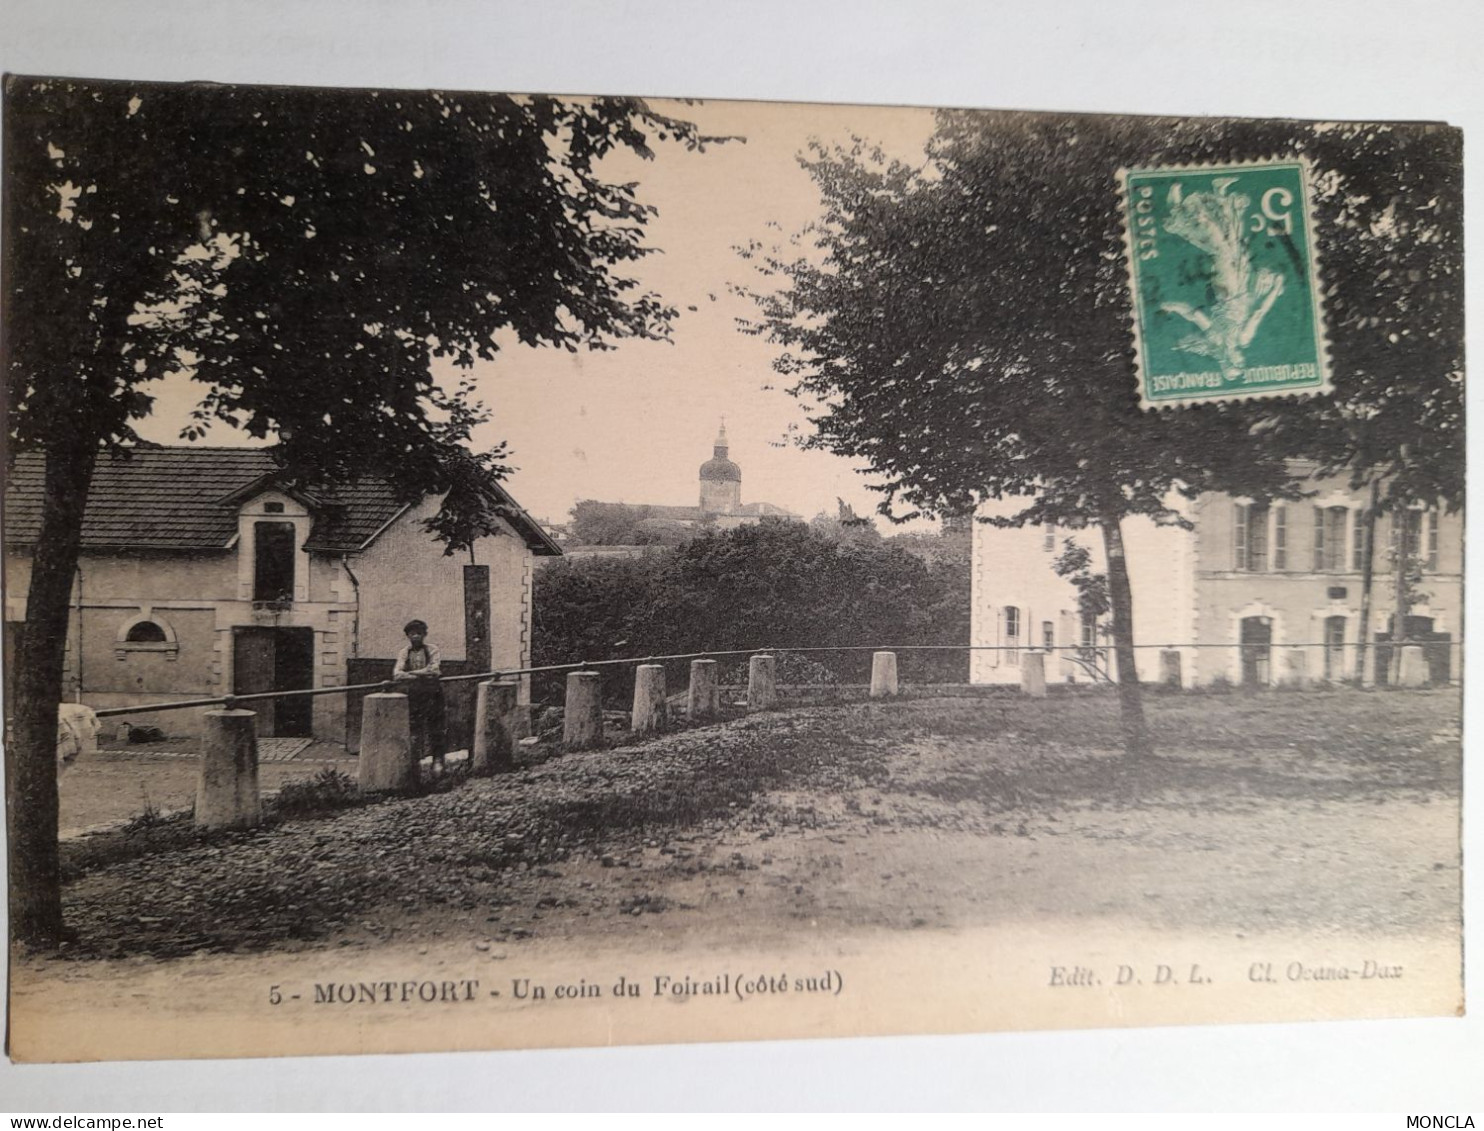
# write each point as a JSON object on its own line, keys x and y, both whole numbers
{"x": 35, "y": 691}
{"x": 1367, "y": 580}
{"x": 1401, "y": 523}
{"x": 1130, "y": 696}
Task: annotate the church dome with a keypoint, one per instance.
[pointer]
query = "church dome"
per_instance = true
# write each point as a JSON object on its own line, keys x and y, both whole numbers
{"x": 719, "y": 469}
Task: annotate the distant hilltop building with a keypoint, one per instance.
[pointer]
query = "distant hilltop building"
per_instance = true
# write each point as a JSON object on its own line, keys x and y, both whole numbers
{"x": 628, "y": 529}
{"x": 721, "y": 504}
{"x": 721, "y": 495}
{"x": 721, "y": 480}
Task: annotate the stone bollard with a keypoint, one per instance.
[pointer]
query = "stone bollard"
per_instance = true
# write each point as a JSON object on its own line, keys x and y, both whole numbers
{"x": 1297, "y": 674}
{"x": 386, "y": 764}
{"x": 704, "y": 700}
{"x": 650, "y": 716}
{"x": 496, "y": 726}
{"x": 1170, "y": 673}
{"x": 762, "y": 683}
{"x": 1414, "y": 671}
{"x": 1033, "y": 674}
{"x": 883, "y": 674}
{"x": 227, "y": 795}
{"x": 582, "y": 716}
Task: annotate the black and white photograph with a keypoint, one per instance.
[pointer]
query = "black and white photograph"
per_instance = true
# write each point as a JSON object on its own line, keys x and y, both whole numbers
{"x": 503, "y": 570}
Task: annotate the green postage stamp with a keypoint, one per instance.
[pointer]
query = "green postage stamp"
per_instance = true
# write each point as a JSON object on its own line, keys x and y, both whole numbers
{"x": 1224, "y": 280}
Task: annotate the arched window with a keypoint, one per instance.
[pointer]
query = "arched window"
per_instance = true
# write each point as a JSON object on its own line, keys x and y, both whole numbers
{"x": 145, "y": 632}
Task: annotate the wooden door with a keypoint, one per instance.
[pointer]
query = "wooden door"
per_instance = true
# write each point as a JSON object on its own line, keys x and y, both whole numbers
{"x": 276, "y": 659}
{"x": 293, "y": 670}
{"x": 253, "y": 671}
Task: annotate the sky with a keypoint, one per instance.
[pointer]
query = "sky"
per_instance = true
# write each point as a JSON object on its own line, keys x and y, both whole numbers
{"x": 634, "y": 424}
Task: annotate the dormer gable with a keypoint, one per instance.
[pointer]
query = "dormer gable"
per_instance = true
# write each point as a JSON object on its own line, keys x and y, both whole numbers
{"x": 273, "y": 526}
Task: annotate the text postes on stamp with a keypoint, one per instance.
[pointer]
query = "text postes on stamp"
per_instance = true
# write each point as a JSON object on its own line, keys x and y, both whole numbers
{"x": 1224, "y": 282}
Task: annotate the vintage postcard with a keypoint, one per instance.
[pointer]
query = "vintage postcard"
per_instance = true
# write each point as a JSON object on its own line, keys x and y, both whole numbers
{"x": 493, "y": 571}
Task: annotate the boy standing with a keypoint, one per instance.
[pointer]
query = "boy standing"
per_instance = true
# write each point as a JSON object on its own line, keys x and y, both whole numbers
{"x": 417, "y": 671}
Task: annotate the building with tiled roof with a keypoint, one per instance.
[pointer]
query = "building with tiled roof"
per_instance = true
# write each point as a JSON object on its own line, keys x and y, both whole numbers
{"x": 204, "y": 573}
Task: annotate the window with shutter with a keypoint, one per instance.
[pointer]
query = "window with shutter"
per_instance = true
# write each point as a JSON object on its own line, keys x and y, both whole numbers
{"x": 1330, "y": 544}
{"x": 1251, "y": 540}
{"x": 1257, "y": 537}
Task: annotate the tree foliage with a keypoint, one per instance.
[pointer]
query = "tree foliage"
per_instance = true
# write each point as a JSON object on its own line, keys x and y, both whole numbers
{"x": 844, "y": 526}
{"x": 619, "y": 524}
{"x": 1390, "y": 209}
{"x": 302, "y": 256}
{"x": 964, "y": 325}
{"x": 1075, "y": 564}
{"x": 583, "y": 609}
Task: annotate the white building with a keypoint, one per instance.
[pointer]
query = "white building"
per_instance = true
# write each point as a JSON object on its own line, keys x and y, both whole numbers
{"x": 1253, "y": 594}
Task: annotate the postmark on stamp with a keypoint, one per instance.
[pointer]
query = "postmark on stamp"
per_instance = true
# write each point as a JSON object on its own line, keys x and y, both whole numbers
{"x": 1224, "y": 280}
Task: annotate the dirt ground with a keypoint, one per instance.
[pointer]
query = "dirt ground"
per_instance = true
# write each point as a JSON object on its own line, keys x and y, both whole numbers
{"x": 120, "y": 783}
{"x": 845, "y": 829}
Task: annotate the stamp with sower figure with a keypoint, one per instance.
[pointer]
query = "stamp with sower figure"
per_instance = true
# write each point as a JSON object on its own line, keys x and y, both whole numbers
{"x": 1224, "y": 282}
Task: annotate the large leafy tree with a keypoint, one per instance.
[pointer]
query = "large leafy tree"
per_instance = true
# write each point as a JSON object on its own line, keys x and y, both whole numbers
{"x": 302, "y": 256}
{"x": 963, "y": 325}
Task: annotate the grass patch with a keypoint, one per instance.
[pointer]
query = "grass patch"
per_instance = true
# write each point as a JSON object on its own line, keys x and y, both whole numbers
{"x": 327, "y": 792}
{"x": 149, "y": 819}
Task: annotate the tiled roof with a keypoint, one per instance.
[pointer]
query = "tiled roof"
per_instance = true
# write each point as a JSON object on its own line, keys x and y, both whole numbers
{"x": 766, "y": 510}
{"x": 174, "y": 499}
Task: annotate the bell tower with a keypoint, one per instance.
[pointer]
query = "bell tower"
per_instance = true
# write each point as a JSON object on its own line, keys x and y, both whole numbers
{"x": 721, "y": 479}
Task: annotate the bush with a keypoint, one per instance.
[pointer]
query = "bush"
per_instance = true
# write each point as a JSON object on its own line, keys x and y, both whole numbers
{"x": 585, "y": 609}
{"x": 326, "y": 791}
{"x": 767, "y": 585}
{"x": 805, "y": 670}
